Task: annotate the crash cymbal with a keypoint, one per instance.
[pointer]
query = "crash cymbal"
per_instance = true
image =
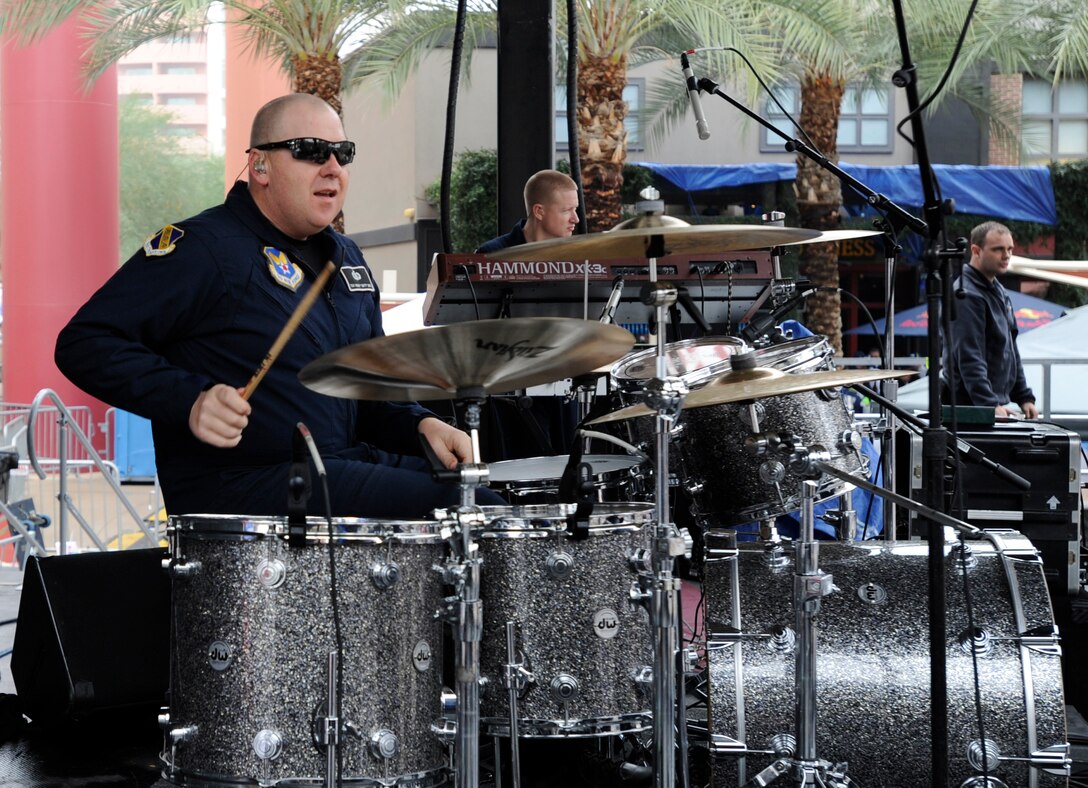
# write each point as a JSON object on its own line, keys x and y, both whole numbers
{"x": 758, "y": 382}
{"x": 834, "y": 236}
{"x": 642, "y": 242}
{"x": 441, "y": 362}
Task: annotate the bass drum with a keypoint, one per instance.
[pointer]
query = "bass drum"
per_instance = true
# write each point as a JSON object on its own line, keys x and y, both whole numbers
{"x": 872, "y": 675}
{"x": 251, "y": 633}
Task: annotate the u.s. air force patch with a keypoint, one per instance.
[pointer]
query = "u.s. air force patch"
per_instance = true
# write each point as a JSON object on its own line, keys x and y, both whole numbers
{"x": 283, "y": 270}
{"x": 163, "y": 242}
{"x": 357, "y": 278}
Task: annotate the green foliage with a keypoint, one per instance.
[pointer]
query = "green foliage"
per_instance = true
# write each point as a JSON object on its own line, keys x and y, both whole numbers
{"x": 160, "y": 182}
{"x": 474, "y": 198}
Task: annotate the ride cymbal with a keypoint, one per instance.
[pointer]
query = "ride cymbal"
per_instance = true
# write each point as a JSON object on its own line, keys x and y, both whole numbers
{"x": 740, "y": 385}
{"x": 643, "y": 242}
{"x": 446, "y": 361}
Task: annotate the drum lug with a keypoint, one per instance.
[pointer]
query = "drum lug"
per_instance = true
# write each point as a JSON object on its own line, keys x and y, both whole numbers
{"x": 784, "y": 745}
{"x": 559, "y": 565}
{"x": 640, "y": 560}
{"x": 565, "y": 688}
{"x": 694, "y": 486}
{"x": 644, "y": 676}
{"x": 850, "y": 439}
{"x": 979, "y": 642}
{"x": 179, "y": 568}
{"x": 639, "y": 595}
{"x": 781, "y": 640}
{"x": 384, "y": 744}
{"x": 271, "y": 574}
{"x": 384, "y": 575}
{"x": 961, "y": 555}
{"x": 182, "y": 734}
{"x": 267, "y": 744}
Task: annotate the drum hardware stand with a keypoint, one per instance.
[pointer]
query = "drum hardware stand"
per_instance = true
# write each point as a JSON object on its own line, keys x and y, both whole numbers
{"x": 666, "y": 396}
{"x": 515, "y": 679}
{"x": 809, "y": 586}
{"x": 328, "y": 727}
{"x": 464, "y": 610}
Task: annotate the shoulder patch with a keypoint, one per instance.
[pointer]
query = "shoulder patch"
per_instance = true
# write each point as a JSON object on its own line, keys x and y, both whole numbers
{"x": 163, "y": 242}
{"x": 357, "y": 278}
{"x": 282, "y": 269}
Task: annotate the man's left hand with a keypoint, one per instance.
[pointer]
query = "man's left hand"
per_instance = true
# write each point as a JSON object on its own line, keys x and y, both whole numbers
{"x": 449, "y": 443}
{"x": 1029, "y": 409}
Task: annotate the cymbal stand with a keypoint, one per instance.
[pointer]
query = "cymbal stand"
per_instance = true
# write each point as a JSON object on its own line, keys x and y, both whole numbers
{"x": 464, "y": 611}
{"x": 665, "y": 395}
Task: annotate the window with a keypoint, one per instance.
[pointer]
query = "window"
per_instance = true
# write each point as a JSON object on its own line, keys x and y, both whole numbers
{"x": 134, "y": 70}
{"x": 1055, "y": 120}
{"x": 865, "y": 119}
{"x": 181, "y": 69}
{"x": 633, "y": 94}
{"x": 179, "y": 100}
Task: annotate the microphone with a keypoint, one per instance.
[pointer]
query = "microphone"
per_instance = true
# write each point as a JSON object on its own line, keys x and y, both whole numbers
{"x": 609, "y": 313}
{"x": 298, "y": 488}
{"x": 696, "y": 103}
{"x": 304, "y": 431}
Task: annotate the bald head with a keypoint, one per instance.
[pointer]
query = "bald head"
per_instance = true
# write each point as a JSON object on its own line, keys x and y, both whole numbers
{"x": 268, "y": 122}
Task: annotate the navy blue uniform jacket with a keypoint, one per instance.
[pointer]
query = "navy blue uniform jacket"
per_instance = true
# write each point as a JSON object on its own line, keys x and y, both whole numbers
{"x": 169, "y": 324}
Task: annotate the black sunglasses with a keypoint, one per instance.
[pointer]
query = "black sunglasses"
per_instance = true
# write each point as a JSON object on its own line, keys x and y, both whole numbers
{"x": 313, "y": 149}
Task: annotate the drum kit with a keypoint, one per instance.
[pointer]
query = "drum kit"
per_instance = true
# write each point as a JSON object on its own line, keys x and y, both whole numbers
{"x": 564, "y": 610}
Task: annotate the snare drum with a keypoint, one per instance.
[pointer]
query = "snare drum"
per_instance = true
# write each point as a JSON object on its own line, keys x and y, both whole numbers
{"x": 252, "y": 631}
{"x": 873, "y": 657}
{"x": 727, "y": 484}
{"x": 535, "y": 480}
{"x": 587, "y": 649}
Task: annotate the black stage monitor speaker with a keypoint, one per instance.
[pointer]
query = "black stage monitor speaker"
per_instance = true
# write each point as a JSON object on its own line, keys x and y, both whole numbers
{"x": 93, "y": 635}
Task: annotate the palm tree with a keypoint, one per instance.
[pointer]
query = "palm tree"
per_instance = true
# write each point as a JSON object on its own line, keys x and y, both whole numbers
{"x": 307, "y": 36}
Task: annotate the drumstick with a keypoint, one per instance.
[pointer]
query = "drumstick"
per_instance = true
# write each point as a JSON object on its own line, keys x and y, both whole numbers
{"x": 289, "y": 328}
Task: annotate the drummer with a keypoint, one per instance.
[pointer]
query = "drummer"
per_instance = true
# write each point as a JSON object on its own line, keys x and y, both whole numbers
{"x": 184, "y": 324}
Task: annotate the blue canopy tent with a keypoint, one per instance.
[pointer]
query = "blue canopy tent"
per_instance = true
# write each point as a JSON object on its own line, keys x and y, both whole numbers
{"x": 1031, "y": 312}
{"x": 1023, "y": 193}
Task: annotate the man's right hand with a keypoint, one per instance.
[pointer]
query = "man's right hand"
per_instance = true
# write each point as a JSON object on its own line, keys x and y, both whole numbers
{"x": 219, "y": 415}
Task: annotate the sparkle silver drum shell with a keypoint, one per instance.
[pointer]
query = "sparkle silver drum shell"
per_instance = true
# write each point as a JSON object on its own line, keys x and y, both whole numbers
{"x": 695, "y": 361}
{"x": 251, "y": 632}
{"x": 873, "y": 658}
{"x": 584, "y": 640}
{"x": 727, "y": 484}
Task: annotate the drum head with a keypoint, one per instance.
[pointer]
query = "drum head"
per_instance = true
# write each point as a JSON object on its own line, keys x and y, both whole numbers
{"x": 808, "y": 354}
{"x": 533, "y": 469}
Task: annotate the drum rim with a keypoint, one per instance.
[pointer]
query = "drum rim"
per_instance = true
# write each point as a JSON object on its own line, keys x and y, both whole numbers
{"x": 616, "y": 373}
{"x": 541, "y": 520}
{"x": 244, "y": 528}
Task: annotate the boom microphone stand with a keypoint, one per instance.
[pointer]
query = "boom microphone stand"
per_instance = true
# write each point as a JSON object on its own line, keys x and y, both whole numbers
{"x": 933, "y": 441}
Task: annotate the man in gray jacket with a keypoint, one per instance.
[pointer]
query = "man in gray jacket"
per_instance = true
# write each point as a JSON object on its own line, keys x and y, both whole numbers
{"x": 981, "y": 355}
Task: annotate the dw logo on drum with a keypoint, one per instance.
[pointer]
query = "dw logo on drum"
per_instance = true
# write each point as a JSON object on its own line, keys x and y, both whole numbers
{"x": 606, "y": 623}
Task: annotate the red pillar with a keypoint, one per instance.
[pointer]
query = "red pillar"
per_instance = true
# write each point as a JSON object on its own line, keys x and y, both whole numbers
{"x": 251, "y": 81}
{"x": 59, "y": 153}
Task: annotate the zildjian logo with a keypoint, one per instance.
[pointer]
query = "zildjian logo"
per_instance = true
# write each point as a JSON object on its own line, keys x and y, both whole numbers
{"x": 521, "y": 349}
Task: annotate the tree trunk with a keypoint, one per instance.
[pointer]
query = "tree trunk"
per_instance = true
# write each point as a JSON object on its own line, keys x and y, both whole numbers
{"x": 602, "y": 139}
{"x": 819, "y": 199}
{"x": 321, "y": 77}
